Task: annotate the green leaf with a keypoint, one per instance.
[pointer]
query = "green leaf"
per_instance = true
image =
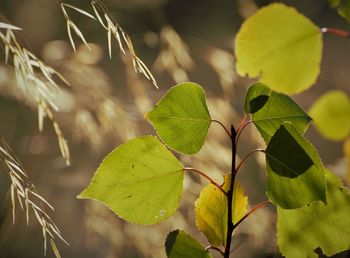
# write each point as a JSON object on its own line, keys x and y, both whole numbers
{"x": 211, "y": 211}
{"x": 181, "y": 118}
{"x": 285, "y": 155}
{"x": 256, "y": 97}
{"x": 295, "y": 174}
{"x": 331, "y": 115}
{"x": 278, "y": 109}
{"x": 343, "y": 7}
{"x": 301, "y": 231}
{"x": 141, "y": 181}
{"x": 344, "y": 10}
{"x": 180, "y": 245}
{"x": 282, "y": 47}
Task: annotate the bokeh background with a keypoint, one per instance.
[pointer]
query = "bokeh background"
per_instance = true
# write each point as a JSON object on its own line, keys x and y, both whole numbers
{"x": 104, "y": 106}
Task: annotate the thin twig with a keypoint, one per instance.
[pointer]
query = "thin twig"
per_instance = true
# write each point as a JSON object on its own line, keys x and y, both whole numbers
{"x": 241, "y": 130}
{"x": 207, "y": 177}
{"x": 244, "y": 119}
{"x": 215, "y": 248}
{"x": 246, "y": 157}
{"x": 251, "y": 212}
{"x": 222, "y": 125}
{"x": 337, "y": 32}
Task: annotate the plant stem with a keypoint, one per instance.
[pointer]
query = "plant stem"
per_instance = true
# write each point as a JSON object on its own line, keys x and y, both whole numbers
{"x": 216, "y": 249}
{"x": 207, "y": 177}
{"x": 230, "y": 226}
{"x": 241, "y": 124}
{"x": 337, "y": 32}
{"x": 241, "y": 130}
{"x": 251, "y": 212}
{"x": 222, "y": 125}
{"x": 247, "y": 156}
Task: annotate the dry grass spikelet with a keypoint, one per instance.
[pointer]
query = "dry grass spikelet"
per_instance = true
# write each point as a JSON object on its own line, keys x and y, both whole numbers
{"x": 36, "y": 80}
{"x": 23, "y": 190}
{"x": 113, "y": 29}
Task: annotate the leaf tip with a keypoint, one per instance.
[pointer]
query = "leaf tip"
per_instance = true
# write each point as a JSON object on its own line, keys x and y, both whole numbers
{"x": 82, "y": 195}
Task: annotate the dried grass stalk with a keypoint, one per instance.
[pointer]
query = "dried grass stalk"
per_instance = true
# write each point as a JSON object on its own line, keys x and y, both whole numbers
{"x": 24, "y": 191}
{"x": 113, "y": 29}
{"x": 37, "y": 81}
{"x": 7, "y": 26}
{"x": 71, "y": 25}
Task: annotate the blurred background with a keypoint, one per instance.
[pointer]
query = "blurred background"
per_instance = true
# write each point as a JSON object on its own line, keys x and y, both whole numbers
{"x": 104, "y": 106}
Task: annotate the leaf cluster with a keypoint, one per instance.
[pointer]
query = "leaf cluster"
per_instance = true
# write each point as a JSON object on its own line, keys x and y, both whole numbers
{"x": 141, "y": 180}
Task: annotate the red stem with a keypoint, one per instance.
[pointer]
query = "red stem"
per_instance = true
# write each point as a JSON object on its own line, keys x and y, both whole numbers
{"x": 222, "y": 125}
{"x": 241, "y": 124}
{"x": 207, "y": 177}
{"x": 247, "y": 156}
{"x": 251, "y": 212}
{"x": 216, "y": 249}
{"x": 241, "y": 130}
{"x": 337, "y": 32}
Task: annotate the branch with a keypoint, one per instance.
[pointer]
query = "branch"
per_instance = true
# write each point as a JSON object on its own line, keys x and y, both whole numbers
{"x": 241, "y": 130}
{"x": 251, "y": 212}
{"x": 247, "y": 156}
{"x": 244, "y": 119}
{"x": 207, "y": 177}
{"x": 230, "y": 226}
{"x": 222, "y": 125}
{"x": 215, "y": 248}
{"x": 337, "y": 32}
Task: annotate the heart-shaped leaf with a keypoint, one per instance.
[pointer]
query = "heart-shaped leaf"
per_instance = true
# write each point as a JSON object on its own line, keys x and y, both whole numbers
{"x": 141, "y": 181}
{"x": 181, "y": 118}
{"x": 281, "y": 46}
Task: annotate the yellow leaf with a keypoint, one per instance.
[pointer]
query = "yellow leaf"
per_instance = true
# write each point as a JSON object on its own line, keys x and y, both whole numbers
{"x": 240, "y": 203}
{"x": 211, "y": 211}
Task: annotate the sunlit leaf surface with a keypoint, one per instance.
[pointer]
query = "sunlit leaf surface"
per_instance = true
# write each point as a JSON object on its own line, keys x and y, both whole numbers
{"x": 181, "y": 118}
{"x": 281, "y": 47}
{"x": 278, "y": 109}
{"x": 141, "y": 181}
